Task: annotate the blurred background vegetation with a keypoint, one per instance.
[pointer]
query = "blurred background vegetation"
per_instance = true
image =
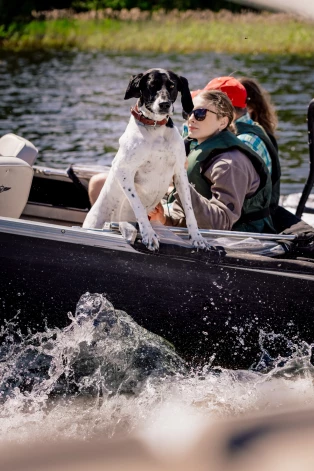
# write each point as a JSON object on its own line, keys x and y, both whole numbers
{"x": 21, "y": 10}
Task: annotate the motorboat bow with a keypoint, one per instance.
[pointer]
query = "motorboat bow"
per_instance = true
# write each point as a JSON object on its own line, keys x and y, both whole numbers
{"x": 220, "y": 305}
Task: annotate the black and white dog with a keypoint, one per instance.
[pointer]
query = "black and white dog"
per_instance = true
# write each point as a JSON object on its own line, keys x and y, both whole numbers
{"x": 151, "y": 152}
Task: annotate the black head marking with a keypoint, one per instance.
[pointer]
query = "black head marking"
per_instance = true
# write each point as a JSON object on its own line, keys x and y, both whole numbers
{"x": 159, "y": 83}
{"x": 133, "y": 89}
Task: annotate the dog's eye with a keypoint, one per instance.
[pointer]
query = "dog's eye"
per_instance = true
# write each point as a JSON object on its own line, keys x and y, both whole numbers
{"x": 171, "y": 85}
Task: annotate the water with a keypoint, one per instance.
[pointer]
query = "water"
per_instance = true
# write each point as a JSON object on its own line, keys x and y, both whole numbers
{"x": 104, "y": 376}
{"x": 102, "y": 360}
{"x": 70, "y": 105}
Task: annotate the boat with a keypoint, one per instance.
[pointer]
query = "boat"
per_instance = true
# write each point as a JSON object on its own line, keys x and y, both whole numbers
{"x": 249, "y": 295}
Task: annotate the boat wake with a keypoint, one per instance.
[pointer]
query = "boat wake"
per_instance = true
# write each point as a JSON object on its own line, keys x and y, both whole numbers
{"x": 102, "y": 352}
{"x": 104, "y": 374}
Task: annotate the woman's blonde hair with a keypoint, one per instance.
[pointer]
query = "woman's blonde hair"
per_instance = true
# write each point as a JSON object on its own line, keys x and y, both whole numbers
{"x": 259, "y": 101}
{"x": 222, "y": 104}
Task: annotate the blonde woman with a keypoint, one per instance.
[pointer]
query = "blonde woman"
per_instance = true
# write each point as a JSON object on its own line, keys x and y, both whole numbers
{"x": 230, "y": 184}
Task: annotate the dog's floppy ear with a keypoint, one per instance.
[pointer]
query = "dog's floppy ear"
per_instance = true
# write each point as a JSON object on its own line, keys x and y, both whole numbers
{"x": 133, "y": 90}
{"x": 183, "y": 88}
{"x": 186, "y": 99}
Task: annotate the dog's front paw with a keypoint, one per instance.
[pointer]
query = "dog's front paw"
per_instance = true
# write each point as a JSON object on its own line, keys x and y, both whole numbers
{"x": 198, "y": 241}
{"x": 150, "y": 239}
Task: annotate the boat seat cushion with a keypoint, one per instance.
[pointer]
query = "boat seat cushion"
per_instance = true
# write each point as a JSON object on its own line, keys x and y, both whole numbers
{"x": 15, "y": 183}
{"x": 12, "y": 145}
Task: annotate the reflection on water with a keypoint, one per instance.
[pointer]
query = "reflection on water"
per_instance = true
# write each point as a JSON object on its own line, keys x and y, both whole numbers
{"x": 104, "y": 375}
{"x": 70, "y": 105}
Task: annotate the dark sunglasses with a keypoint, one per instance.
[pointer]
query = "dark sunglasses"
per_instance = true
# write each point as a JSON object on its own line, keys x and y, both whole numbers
{"x": 199, "y": 114}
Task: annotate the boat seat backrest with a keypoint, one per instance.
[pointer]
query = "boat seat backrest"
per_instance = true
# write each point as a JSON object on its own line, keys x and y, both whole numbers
{"x": 15, "y": 183}
{"x": 12, "y": 145}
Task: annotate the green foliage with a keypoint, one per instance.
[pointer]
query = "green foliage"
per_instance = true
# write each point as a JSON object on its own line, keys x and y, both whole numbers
{"x": 20, "y": 10}
{"x": 3, "y": 33}
{"x": 215, "y": 5}
{"x": 14, "y": 8}
{"x": 245, "y": 34}
{"x": 11, "y": 10}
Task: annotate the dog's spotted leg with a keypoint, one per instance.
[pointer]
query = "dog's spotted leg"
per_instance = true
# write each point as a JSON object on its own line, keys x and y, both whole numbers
{"x": 126, "y": 180}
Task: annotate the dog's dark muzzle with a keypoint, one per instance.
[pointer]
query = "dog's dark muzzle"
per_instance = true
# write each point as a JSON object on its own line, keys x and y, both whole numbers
{"x": 164, "y": 106}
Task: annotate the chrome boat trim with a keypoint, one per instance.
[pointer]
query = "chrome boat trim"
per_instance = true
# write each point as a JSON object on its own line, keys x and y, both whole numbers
{"x": 73, "y": 235}
{"x": 215, "y": 233}
{"x": 241, "y": 235}
{"x": 82, "y": 171}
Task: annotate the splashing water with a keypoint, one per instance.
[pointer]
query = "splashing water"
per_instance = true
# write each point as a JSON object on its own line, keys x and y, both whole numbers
{"x": 106, "y": 375}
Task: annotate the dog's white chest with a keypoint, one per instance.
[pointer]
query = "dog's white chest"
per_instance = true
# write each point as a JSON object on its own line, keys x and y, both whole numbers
{"x": 159, "y": 157}
{"x": 143, "y": 168}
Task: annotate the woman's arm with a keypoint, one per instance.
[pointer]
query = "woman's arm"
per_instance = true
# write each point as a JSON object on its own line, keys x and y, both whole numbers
{"x": 233, "y": 177}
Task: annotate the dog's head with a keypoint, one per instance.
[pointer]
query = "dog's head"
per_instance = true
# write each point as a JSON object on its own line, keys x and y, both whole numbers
{"x": 157, "y": 90}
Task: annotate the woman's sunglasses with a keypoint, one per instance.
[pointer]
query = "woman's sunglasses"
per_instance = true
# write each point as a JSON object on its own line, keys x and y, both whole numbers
{"x": 199, "y": 114}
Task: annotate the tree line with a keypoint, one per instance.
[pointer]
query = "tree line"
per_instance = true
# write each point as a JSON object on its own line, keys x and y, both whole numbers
{"x": 20, "y": 10}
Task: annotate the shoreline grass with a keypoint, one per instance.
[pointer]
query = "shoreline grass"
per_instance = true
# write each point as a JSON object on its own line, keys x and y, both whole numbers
{"x": 245, "y": 33}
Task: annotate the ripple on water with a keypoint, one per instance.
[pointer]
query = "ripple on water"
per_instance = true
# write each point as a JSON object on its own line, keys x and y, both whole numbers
{"x": 70, "y": 104}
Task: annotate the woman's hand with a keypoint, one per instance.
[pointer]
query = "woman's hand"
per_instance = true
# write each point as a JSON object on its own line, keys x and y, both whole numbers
{"x": 158, "y": 214}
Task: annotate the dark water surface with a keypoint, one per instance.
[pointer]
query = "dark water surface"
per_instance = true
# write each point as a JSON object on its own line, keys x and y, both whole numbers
{"x": 70, "y": 104}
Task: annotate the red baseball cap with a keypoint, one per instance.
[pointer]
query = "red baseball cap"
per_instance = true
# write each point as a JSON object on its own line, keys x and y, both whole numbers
{"x": 232, "y": 88}
{"x": 195, "y": 92}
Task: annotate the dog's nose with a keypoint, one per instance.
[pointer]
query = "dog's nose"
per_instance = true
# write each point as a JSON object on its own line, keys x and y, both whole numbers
{"x": 164, "y": 105}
